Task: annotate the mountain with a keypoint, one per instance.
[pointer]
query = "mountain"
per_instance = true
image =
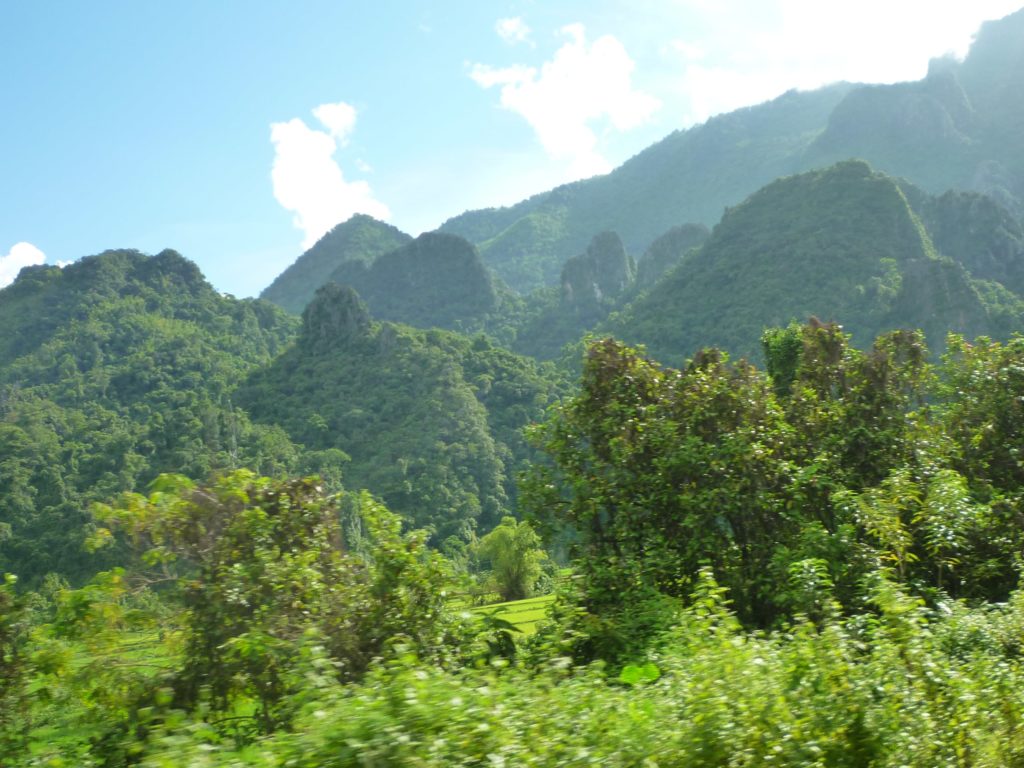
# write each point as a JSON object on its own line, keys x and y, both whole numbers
{"x": 429, "y": 420}
{"x": 841, "y": 244}
{"x": 360, "y": 239}
{"x": 601, "y": 274}
{"x": 690, "y": 176}
{"x": 976, "y": 231}
{"x": 123, "y": 366}
{"x": 959, "y": 244}
{"x": 592, "y": 284}
{"x": 436, "y": 280}
{"x": 960, "y": 127}
{"x": 668, "y": 251}
{"x": 112, "y": 370}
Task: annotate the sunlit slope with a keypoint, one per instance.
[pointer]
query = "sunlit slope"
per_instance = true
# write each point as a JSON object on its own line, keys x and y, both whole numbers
{"x": 360, "y": 239}
{"x": 428, "y": 420}
{"x": 841, "y": 243}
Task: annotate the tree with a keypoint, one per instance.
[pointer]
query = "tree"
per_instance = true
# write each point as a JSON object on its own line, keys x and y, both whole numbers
{"x": 513, "y": 550}
{"x": 14, "y": 703}
{"x": 661, "y": 472}
{"x": 264, "y": 563}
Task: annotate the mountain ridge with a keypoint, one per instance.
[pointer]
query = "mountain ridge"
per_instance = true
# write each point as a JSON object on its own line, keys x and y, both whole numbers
{"x": 358, "y": 239}
{"x": 958, "y": 127}
{"x": 843, "y": 243}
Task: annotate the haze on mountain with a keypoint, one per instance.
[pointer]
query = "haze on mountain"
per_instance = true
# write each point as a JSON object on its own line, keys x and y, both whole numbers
{"x": 959, "y": 127}
{"x": 956, "y": 129}
{"x": 277, "y": 530}
{"x": 359, "y": 239}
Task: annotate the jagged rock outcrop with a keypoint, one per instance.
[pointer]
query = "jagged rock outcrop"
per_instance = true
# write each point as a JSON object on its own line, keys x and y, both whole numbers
{"x": 599, "y": 275}
{"x": 974, "y": 230}
{"x": 336, "y": 314}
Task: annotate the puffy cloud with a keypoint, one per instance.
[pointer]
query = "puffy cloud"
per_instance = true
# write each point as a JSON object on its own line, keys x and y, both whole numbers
{"x": 513, "y": 30}
{"x": 308, "y": 180}
{"x": 21, "y": 255}
{"x": 739, "y": 53}
{"x": 339, "y": 119}
{"x": 581, "y": 85}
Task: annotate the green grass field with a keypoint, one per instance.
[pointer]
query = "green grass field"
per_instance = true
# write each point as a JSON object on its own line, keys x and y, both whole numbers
{"x": 525, "y": 615}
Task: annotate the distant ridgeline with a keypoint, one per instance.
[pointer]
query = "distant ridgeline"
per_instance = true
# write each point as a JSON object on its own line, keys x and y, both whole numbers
{"x": 436, "y": 280}
{"x": 958, "y": 128}
{"x": 844, "y": 243}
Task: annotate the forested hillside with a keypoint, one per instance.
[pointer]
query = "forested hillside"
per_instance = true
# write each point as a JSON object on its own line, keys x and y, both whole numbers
{"x": 436, "y": 280}
{"x": 123, "y": 366}
{"x": 711, "y": 461}
{"x": 429, "y": 420}
{"x": 843, "y": 243}
{"x": 359, "y": 240}
{"x": 818, "y": 559}
{"x": 115, "y": 369}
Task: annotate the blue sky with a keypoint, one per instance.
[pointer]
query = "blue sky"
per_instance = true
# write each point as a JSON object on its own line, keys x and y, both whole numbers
{"x": 237, "y": 132}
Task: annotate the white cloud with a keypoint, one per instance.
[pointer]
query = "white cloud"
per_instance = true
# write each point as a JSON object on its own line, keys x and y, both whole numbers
{"x": 308, "y": 180}
{"x": 513, "y": 30}
{"x": 748, "y": 53}
{"x": 21, "y": 255}
{"x": 339, "y": 119}
{"x": 689, "y": 51}
{"x": 581, "y": 85}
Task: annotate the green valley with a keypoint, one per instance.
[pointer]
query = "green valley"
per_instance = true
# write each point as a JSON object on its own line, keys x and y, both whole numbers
{"x": 712, "y": 461}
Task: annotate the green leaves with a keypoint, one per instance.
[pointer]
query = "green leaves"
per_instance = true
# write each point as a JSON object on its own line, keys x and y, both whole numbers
{"x": 632, "y": 674}
{"x": 792, "y": 487}
{"x": 264, "y": 563}
{"x": 14, "y": 701}
{"x": 115, "y": 370}
{"x": 514, "y": 553}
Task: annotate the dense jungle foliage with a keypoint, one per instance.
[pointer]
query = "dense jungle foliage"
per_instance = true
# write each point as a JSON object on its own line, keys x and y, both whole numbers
{"x": 431, "y": 421}
{"x": 113, "y": 370}
{"x": 231, "y": 536}
{"x": 121, "y": 367}
{"x": 814, "y": 564}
